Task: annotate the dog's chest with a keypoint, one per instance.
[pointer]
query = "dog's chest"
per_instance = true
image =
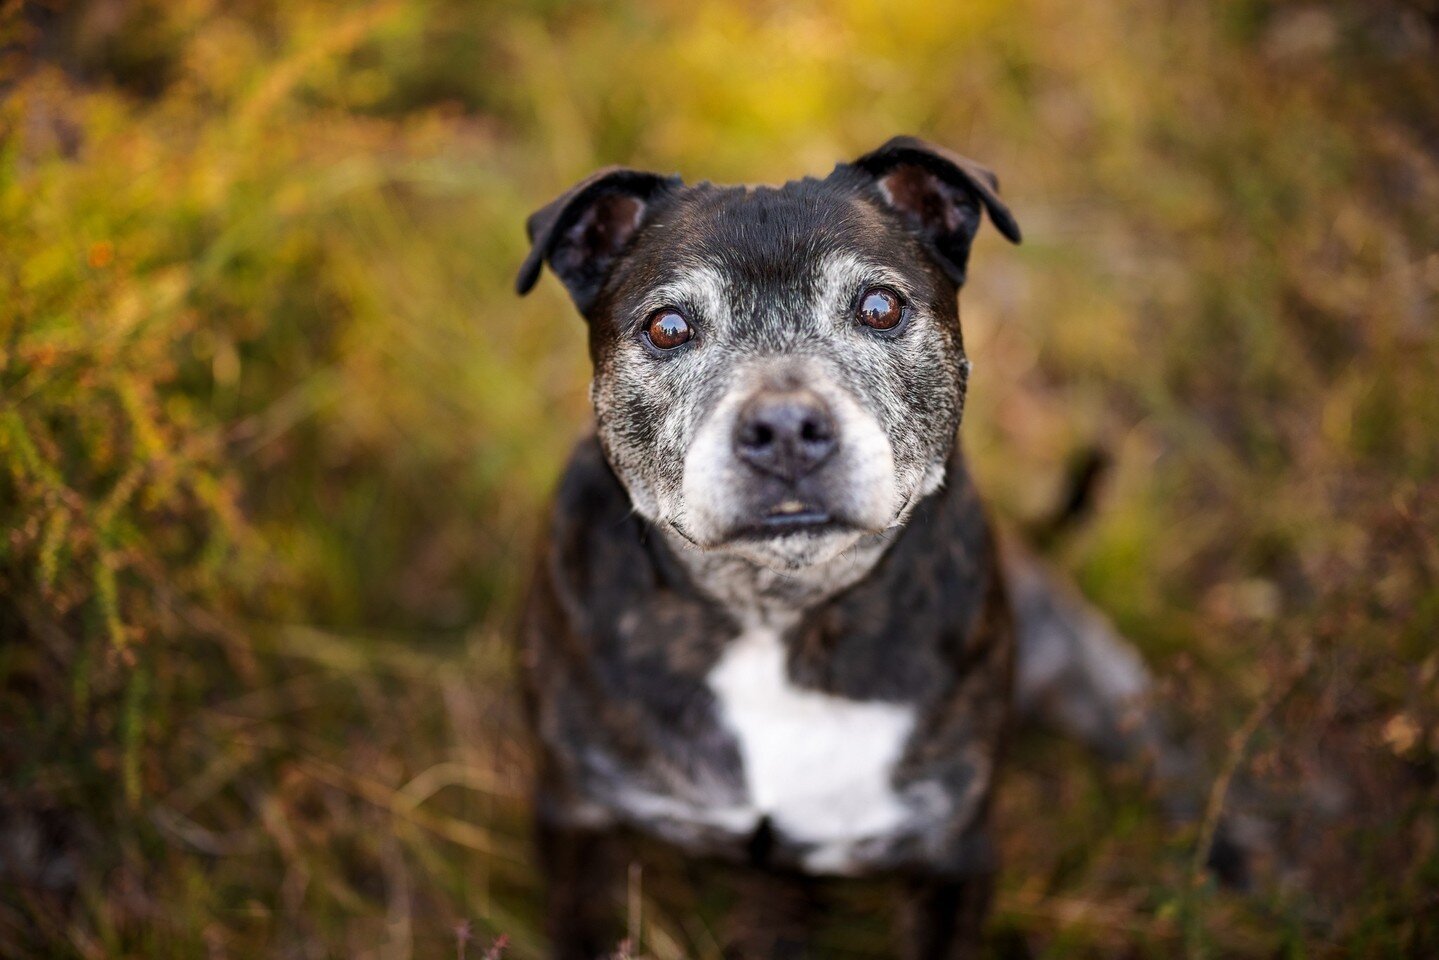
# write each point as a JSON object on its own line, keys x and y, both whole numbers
{"x": 819, "y": 766}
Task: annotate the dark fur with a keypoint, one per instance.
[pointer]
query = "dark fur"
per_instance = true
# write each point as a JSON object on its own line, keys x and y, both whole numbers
{"x": 635, "y": 600}
{"x": 618, "y": 642}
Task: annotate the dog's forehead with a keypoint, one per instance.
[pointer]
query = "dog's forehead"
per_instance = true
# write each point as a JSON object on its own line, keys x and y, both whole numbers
{"x": 776, "y": 237}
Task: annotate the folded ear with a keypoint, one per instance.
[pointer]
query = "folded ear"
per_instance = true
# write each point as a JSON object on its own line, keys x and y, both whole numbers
{"x": 939, "y": 193}
{"x": 583, "y": 232}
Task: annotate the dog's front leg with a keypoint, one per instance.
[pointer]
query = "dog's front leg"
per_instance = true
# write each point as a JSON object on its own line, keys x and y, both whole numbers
{"x": 943, "y": 919}
{"x": 772, "y": 917}
{"x": 580, "y": 868}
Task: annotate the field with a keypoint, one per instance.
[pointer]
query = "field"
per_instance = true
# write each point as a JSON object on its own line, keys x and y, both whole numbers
{"x": 276, "y": 439}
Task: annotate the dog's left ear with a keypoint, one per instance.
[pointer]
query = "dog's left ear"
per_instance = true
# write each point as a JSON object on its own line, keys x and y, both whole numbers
{"x": 940, "y": 194}
{"x": 584, "y": 231}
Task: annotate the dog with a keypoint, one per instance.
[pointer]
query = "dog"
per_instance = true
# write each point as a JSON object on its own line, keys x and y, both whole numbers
{"x": 771, "y": 623}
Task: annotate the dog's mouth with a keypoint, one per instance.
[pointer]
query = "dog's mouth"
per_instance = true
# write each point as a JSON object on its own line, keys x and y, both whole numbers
{"x": 789, "y": 524}
{"x": 792, "y": 517}
{"x": 795, "y": 513}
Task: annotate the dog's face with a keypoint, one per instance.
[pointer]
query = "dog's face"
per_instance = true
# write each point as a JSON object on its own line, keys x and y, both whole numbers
{"x": 779, "y": 372}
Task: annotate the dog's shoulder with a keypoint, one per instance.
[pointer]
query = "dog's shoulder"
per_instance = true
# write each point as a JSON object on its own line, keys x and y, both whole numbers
{"x": 602, "y": 563}
{"x": 589, "y": 495}
{"x": 594, "y": 551}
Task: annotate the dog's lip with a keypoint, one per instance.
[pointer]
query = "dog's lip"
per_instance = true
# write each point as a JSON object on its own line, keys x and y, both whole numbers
{"x": 795, "y": 520}
{"x": 791, "y": 517}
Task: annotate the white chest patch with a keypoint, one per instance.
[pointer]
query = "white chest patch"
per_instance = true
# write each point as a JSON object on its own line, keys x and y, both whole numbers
{"x": 820, "y": 766}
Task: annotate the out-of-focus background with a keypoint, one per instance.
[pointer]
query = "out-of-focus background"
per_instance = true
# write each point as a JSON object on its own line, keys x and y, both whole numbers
{"x": 276, "y": 439}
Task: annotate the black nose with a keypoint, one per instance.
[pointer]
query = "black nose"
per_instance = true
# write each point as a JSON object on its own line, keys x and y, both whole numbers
{"x": 785, "y": 435}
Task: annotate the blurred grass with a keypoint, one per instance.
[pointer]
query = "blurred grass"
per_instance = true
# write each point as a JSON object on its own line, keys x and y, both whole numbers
{"x": 276, "y": 437}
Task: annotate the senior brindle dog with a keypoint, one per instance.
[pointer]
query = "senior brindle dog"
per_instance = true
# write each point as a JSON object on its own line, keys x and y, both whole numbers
{"x": 771, "y": 623}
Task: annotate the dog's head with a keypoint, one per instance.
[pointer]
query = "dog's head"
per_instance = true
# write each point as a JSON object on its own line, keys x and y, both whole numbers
{"x": 779, "y": 372}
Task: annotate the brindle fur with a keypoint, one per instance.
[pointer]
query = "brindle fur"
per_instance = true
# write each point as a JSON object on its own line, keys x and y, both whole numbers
{"x": 618, "y": 641}
{"x": 639, "y": 589}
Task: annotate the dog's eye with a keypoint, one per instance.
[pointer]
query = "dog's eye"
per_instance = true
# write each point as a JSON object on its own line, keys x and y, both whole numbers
{"x": 667, "y": 328}
{"x": 880, "y": 308}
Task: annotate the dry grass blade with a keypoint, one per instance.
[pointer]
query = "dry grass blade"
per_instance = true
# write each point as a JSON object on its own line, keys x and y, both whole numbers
{"x": 456, "y": 831}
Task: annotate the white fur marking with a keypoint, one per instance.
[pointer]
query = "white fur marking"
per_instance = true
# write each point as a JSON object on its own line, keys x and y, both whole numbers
{"x": 820, "y": 766}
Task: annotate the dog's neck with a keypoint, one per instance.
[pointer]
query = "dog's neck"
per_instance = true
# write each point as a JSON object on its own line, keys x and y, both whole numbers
{"x": 754, "y": 594}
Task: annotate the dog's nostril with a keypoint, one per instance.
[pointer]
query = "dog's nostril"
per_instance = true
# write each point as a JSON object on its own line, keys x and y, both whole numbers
{"x": 755, "y": 435}
{"x": 812, "y": 431}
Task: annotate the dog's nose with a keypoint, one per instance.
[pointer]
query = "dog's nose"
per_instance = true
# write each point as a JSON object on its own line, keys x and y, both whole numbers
{"x": 785, "y": 435}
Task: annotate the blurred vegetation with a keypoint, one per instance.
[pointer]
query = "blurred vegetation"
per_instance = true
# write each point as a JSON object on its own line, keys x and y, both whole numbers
{"x": 275, "y": 438}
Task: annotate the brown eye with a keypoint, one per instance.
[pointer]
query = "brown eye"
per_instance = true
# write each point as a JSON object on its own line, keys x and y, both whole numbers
{"x": 668, "y": 329}
{"x": 880, "y": 308}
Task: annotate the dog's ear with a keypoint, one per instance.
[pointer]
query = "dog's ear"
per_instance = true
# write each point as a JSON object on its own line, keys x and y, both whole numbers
{"x": 939, "y": 193}
{"x": 584, "y": 231}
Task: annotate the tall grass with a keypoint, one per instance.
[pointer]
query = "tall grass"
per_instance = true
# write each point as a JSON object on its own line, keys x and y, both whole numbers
{"x": 275, "y": 438}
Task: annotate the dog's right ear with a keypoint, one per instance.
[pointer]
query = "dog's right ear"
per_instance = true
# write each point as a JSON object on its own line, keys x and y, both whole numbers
{"x": 583, "y": 232}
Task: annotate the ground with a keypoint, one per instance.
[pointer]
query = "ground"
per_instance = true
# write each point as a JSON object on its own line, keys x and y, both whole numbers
{"x": 276, "y": 437}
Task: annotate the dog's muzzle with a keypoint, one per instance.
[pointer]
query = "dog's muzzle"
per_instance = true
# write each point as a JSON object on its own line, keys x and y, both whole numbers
{"x": 787, "y": 467}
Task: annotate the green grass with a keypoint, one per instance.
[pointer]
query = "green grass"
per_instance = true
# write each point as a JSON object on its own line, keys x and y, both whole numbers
{"x": 276, "y": 437}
